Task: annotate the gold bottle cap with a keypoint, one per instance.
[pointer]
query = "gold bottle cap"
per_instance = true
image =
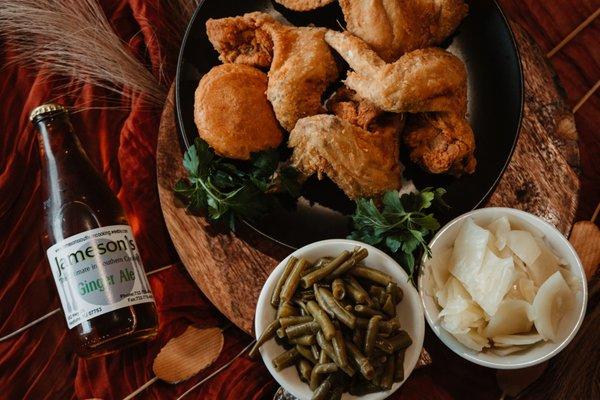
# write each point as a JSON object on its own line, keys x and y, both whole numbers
{"x": 45, "y": 109}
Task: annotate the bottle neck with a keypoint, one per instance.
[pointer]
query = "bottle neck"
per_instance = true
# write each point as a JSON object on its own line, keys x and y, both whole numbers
{"x": 57, "y": 141}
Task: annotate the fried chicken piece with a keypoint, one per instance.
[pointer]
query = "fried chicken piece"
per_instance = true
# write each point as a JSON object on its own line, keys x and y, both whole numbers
{"x": 221, "y": 112}
{"x": 347, "y": 105}
{"x": 395, "y": 27}
{"x": 303, "y": 67}
{"x": 304, "y": 5}
{"x": 301, "y": 63}
{"x": 420, "y": 81}
{"x": 441, "y": 142}
{"x": 242, "y": 39}
{"x": 361, "y": 163}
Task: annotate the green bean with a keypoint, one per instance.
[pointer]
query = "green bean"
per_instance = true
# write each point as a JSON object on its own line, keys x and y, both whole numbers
{"x": 322, "y": 392}
{"x": 314, "y": 349}
{"x": 338, "y": 289}
{"x": 372, "y": 331}
{"x": 357, "y": 256}
{"x": 304, "y": 369}
{"x": 315, "y": 380}
{"x": 387, "y": 379}
{"x": 307, "y": 340}
{"x": 401, "y": 341}
{"x": 363, "y": 363}
{"x": 286, "y": 310}
{"x": 303, "y": 329}
{"x": 377, "y": 375}
{"x": 356, "y": 291}
{"x": 305, "y": 295}
{"x": 379, "y": 360}
{"x": 337, "y": 392}
{"x": 306, "y": 353}
{"x": 393, "y": 290}
{"x": 376, "y": 304}
{"x": 267, "y": 335}
{"x": 384, "y": 344}
{"x": 281, "y": 333}
{"x": 333, "y": 306}
{"x": 315, "y": 276}
{"x": 339, "y": 348}
{"x": 361, "y": 387}
{"x": 376, "y": 291}
{"x": 389, "y": 307}
{"x": 399, "y": 369}
{"x": 322, "y": 319}
{"x": 391, "y": 325}
{"x": 328, "y": 348}
{"x": 323, "y": 357}
{"x": 289, "y": 266}
{"x": 348, "y": 307}
{"x": 291, "y": 283}
{"x": 358, "y": 337}
{"x": 371, "y": 274}
{"x": 326, "y": 368}
{"x": 366, "y": 311}
{"x": 288, "y": 321}
{"x": 286, "y": 359}
{"x": 321, "y": 302}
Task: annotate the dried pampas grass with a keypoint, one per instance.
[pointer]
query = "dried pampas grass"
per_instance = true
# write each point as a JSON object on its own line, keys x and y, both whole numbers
{"x": 73, "y": 38}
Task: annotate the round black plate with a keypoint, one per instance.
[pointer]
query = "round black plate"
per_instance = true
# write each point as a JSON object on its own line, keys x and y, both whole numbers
{"x": 485, "y": 43}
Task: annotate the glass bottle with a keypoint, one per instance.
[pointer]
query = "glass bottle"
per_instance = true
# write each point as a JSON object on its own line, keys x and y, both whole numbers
{"x": 104, "y": 292}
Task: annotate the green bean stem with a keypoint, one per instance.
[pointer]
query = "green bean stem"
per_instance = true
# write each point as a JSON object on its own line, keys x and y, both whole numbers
{"x": 289, "y": 266}
{"x": 338, "y": 289}
{"x": 357, "y": 256}
{"x": 267, "y": 335}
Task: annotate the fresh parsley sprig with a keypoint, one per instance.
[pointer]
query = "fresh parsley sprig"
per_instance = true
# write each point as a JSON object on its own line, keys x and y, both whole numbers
{"x": 401, "y": 226}
{"x": 227, "y": 191}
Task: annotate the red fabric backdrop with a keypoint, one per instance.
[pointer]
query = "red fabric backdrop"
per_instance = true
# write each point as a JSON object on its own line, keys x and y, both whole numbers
{"x": 39, "y": 363}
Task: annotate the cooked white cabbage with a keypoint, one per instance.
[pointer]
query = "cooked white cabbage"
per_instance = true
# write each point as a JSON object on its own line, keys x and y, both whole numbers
{"x": 439, "y": 266}
{"x": 524, "y": 246}
{"x": 512, "y": 317}
{"x": 472, "y": 340}
{"x": 545, "y": 265}
{"x": 504, "y": 351}
{"x": 469, "y": 250}
{"x": 460, "y": 312}
{"x": 517, "y": 340}
{"x": 500, "y": 228}
{"x": 553, "y": 299}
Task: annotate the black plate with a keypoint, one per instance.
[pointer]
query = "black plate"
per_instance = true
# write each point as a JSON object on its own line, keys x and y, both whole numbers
{"x": 485, "y": 43}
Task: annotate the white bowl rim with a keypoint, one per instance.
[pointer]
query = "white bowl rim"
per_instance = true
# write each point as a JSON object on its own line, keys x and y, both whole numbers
{"x": 264, "y": 301}
{"x": 456, "y": 346}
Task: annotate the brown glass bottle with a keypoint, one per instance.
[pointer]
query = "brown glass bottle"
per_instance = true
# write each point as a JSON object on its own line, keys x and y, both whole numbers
{"x": 103, "y": 289}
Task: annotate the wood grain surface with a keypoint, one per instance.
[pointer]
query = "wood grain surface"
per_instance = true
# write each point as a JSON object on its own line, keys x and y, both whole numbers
{"x": 231, "y": 268}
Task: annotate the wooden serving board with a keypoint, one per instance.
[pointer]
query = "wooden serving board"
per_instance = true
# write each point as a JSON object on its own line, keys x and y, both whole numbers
{"x": 542, "y": 178}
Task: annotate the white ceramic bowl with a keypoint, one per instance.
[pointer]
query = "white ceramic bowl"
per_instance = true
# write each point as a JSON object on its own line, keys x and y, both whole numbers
{"x": 410, "y": 313}
{"x": 560, "y": 245}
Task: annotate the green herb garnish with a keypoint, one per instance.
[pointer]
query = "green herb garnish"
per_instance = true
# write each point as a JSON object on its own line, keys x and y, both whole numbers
{"x": 402, "y": 227}
{"x": 227, "y": 191}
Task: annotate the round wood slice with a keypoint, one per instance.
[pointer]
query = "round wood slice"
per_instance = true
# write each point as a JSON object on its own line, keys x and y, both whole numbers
{"x": 542, "y": 178}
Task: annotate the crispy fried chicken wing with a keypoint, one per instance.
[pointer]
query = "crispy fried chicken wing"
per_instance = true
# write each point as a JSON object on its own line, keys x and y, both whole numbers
{"x": 361, "y": 163}
{"x": 301, "y": 63}
{"x": 441, "y": 142}
{"x": 304, "y": 5}
{"x": 303, "y": 67}
{"x": 395, "y": 27}
{"x": 242, "y": 39}
{"x": 349, "y": 106}
{"x": 420, "y": 81}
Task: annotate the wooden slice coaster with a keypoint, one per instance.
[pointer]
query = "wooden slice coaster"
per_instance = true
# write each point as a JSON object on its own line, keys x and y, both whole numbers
{"x": 542, "y": 178}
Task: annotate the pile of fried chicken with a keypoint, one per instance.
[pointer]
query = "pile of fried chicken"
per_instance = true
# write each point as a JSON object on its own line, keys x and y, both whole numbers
{"x": 400, "y": 88}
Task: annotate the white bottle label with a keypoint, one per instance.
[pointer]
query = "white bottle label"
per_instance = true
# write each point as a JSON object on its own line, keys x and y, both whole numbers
{"x": 98, "y": 271}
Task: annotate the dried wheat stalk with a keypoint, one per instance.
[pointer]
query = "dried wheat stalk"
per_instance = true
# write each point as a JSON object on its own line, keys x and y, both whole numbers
{"x": 73, "y": 38}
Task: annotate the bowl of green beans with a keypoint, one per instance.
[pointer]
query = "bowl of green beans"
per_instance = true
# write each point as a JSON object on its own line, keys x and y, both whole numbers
{"x": 339, "y": 319}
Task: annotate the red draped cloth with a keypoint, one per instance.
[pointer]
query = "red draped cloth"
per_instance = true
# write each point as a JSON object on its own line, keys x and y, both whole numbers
{"x": 39, "y": 363}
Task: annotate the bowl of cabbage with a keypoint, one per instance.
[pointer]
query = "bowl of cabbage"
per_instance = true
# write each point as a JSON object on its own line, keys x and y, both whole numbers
{"x": 503, "y": 288}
